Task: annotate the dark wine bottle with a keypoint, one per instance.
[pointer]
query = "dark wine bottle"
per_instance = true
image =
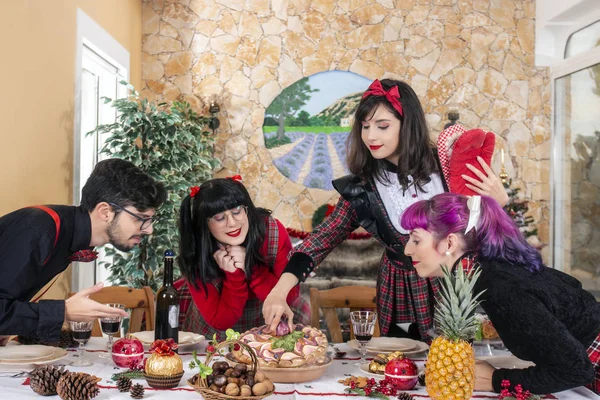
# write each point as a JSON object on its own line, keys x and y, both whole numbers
{"x": 167, "y": 304}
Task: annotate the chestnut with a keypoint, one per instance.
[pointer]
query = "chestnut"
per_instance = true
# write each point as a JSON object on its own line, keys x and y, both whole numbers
{"x": 209, "y": 379}
{"x": 233, "y": 380}
{"x": 241, "y": 367}
{"x": 236, "y": 373}
{"x": 220, "y": 380}
{"x": 220, "y": 366}
{"x": 250, "y": 381}
{"x": 228, "y": 372}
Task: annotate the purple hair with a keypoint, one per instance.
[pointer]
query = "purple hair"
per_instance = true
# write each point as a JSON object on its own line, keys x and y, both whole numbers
{"x": 496, "y": 236}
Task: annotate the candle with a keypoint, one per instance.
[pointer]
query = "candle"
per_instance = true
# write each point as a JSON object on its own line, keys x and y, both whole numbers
{"x": 502, "y": 156}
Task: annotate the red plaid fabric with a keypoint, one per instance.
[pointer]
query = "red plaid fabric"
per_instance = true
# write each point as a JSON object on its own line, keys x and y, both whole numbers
{"x": 402, "y": 296}
{"x": 444, "y": 144}
{"x": 594, "y": 353}
{"x": 191, "y": 320}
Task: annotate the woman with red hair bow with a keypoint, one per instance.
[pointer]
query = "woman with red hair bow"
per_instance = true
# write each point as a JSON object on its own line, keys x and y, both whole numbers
{"x": 231, "y": 255}
{"x": 393, "y": 165}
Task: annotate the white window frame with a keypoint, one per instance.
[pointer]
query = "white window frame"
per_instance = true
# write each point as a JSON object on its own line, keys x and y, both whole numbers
{"x": 559, "y": 70}
{"x": 96, "y": 38}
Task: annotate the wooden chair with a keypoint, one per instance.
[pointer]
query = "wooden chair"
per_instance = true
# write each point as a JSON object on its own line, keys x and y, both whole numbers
{"x": 356, "y": 298}
{"x": 140, "y": 301}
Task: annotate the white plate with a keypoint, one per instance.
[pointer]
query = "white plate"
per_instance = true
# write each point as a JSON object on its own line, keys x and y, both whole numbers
{"x": 26, "y": 353}
{"x": 185, "y": 338}
{"x": 509, "y": 362}
{"x": 420, "y": 347}
{"x": 391, "y": 344}
{"x": 365, "y": 368}
{"x": 494, "y": 342}
{"x": 30, "y": 354}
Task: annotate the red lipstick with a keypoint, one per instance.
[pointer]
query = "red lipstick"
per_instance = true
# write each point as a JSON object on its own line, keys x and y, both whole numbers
{"x": 415, "y": 263}
{"x": 235, "y": 233}
{"x": 373, "y": 147}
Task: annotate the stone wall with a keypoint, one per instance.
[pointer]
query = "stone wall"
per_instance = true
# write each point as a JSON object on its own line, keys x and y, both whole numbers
{"x": 476, "y": 54}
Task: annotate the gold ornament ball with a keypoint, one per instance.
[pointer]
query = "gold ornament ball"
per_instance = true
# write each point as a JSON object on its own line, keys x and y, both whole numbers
{"x": 159, "y": 365}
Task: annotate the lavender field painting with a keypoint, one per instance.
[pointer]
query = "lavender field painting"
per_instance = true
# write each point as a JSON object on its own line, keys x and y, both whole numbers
{"x": 306, "y": 127}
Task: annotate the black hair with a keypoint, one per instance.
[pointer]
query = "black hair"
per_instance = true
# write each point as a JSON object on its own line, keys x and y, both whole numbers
{"x": 415, "y": 147}
{"x": 122, "y": 183}
{"x": 197, "y": 245}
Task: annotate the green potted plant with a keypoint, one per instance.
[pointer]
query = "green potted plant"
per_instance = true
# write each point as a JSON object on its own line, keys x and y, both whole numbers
{"x": 173, "y": 144}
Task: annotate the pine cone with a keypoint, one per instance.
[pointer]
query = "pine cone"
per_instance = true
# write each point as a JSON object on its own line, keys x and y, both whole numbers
{"x": 43, "y": 380}
{"x": 124, "y": 384}
{"x": 422, "y": 379}
{"x": 78, "y": 386}
{"x": 137, "y": 391}
{"x": 65, "y": 341}
{"x": 404, "y": 396}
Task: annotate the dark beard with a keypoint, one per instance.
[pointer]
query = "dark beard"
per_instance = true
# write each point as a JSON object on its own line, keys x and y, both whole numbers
{"x": 112, "y": 238}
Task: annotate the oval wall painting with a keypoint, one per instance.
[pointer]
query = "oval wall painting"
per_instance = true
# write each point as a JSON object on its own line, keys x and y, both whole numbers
{"x": 307, "y": 125}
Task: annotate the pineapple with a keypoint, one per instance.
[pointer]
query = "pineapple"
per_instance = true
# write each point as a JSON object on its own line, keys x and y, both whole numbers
{"x": 450, "y": 367}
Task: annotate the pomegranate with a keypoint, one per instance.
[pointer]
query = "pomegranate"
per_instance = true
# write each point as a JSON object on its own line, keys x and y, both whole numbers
{"x": 403, "y": 373}
{"x": 127, "y": 352}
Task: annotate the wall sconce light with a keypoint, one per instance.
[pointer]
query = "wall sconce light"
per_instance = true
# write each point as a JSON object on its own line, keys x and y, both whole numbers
{"x": 214, "y": 109}
{"x": 453, "y": 116}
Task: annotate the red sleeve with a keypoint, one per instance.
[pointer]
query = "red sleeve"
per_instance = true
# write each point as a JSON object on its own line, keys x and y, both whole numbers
{"x": 263, "y": 280}
{"x": 222, "y": 310}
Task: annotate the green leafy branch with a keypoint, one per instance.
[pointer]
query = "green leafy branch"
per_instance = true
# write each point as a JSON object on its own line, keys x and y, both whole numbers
{"x": 361, "y": 392}
{"x": 173, "y": 144}
{"x": 205, "y": 370}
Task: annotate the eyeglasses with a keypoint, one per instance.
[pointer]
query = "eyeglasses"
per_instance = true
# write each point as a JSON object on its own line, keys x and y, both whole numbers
{"x": 238, "y": 213}
{"x": 146, "y": 222}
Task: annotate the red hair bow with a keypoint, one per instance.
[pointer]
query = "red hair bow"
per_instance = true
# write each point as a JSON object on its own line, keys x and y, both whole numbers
{"x": 392, "y": 95}
{"x": 236, "y": 178}
{"x": 194, "y": 191}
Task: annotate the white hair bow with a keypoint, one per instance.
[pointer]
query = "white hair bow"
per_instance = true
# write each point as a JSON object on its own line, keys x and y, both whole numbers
{"x": 474, "y": 205}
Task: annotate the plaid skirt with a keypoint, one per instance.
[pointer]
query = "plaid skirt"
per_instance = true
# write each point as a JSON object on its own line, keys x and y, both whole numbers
{"x": 594, "y": 353}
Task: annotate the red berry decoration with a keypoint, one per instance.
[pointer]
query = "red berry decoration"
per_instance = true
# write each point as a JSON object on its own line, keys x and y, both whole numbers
{"x": 403, "y": 374}
{"x": 210, "y": 348}
{"x": 127, "y": 352}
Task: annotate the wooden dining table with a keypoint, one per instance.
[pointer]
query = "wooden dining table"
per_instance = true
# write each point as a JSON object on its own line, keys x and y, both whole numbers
{"x": 17, "y": 387}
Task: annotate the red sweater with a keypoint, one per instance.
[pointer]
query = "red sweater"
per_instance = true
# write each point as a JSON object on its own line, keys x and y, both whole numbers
{"x": 222, "y": 310}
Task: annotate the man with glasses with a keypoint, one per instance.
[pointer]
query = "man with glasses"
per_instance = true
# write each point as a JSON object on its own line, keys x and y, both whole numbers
{"x": 118, "y": 203}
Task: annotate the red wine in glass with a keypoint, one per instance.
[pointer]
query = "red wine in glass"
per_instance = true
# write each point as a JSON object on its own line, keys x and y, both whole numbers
{"x": 81, "y": 332}
{"x": 82, "y": 336}
{"x": 110, "y": 327}
{"x": 363, "y": 338}
{"x": 363, "y": 326}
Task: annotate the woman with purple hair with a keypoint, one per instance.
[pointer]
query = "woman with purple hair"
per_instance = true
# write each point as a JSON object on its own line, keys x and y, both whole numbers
{"x": 541, "y": 314}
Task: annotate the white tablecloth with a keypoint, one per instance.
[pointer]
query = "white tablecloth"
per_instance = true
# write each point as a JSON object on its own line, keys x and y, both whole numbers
{"x": 327, "y": 386}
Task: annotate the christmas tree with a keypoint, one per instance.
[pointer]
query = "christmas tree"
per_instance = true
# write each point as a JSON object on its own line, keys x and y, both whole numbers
{"x": 517, "y": 209}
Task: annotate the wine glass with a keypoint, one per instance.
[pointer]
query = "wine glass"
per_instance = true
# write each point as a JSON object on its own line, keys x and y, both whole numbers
{"x": 81, "y": 333}
{"x": 110, "y": 327}
{"x": 363, "y": 325}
